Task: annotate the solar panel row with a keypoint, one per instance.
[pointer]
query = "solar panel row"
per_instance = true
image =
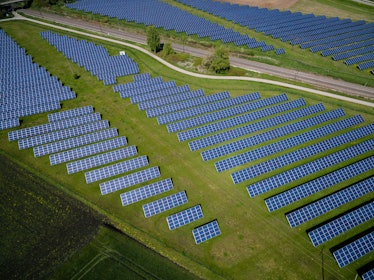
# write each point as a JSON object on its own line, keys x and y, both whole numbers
{"x": 288, "y": 197}
{"x": 227, "y": 108}
{"x": 354, "y": 250}
{"x": 62, "y": 134}
{"x": 164, "y": 204}
{"x": 271, "y": 134}
{"x": 115, "y": 169}
{"x": 147, "y": 191}
{"x": 101, "y": 159}
{"x": 182, "y": 105}
{"x": 285, "y": 144}
{"x": 309, "y": 168}
{"x": 206, "y": 232}
{"x": 129, "y": 180}
{"x": 88, "y": 150}
{"x": 303, "y": 153}
{"x": 341, "y": 224}
{"x": 249, "y": 125}
{"x": 235, "y": 117}
{"x": 75, "y": 142}
{"x": 184, "y": 217}
{"x": 49, "y": 127}
{"x": 330, "y": 202}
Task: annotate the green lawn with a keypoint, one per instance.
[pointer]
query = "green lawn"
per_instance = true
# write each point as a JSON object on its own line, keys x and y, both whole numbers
{"x": 253, "y": 243}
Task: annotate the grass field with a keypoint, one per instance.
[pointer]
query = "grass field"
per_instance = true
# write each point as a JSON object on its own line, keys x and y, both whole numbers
{"x": 253, "y": 243}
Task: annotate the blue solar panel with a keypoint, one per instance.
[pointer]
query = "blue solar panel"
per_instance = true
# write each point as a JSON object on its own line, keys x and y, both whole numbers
{"x": 227, "y": 108}
{"x": 236, "y": 117}
{"x": 49, "y": 127}
{"x": 309, "y": 168}
{"x": 62, "y": 134}
{"x": 330, "y": 202}
{"x": 303, "y": 153}
{"x": 164, "y": 204}
{"x": 184, "y": 217}
{"x": 147, "y": 191}
{"x": 285, "y": 198}
{"x": 89, "y": 150}
{"x": 282, "y": 145}
{"x": 252, "y": 127}
{"x": 115, "y": 169}
{"x": 70, "y": 143}
{"x": 276, "y": 132}
{"x": 129, "y": 180}
{"x": 206, "y": 232}
{"x": 341, "y": 224}
{"x": 101, "y": 159}
{"x": 368, "y": 275}
{"x": 354, "y": 250}
{"x": 70, "y": 113}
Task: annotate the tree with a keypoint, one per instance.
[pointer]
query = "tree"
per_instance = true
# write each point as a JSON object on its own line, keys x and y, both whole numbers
{"x": 153, "y": 38}
{"x": 218, "y": 62}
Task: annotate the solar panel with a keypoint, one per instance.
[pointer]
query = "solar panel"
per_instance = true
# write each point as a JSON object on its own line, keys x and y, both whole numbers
{"x": 184, "y": 217}
{"x": 70, "y": 143}
{"x": 354, "y": 250}
{"x": 206, "y": 232}
{"x": 341, "y": 224}
{"x": 70, "y": 113}
{"x": 115, "y": 169}
{"x": 299, "y": 154}
{"x": 253, "y": 127}
{"x": 49, "y": 127}
{"x": 290, "y": 196}
{"x": 287, "y": 143}
{"x": 368, "y": 275}
{"x": 62, "y": 134}
{"x": 102, "y": 159}
{"x": 147, "y": 191}
{"x": 129, "y": 180}
{"x": 164, "y": 204}
{"x": 89, "y": 150}
{"x": 330, "y": 202}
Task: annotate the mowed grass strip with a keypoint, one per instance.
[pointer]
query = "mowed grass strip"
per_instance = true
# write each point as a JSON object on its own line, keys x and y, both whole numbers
{"x": 253, "y": 241}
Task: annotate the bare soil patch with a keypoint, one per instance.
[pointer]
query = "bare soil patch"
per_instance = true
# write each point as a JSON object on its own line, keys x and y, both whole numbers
{"x": 271, "y": 4}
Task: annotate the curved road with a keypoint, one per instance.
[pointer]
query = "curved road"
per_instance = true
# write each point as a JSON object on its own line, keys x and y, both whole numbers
{"x": 367, "y": 92}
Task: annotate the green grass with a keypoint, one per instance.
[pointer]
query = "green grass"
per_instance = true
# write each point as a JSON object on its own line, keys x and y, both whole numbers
{"x": 253, "y": 241}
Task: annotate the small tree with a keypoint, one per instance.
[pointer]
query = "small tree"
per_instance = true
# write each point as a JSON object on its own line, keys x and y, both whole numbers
{"x": 153, "y": 38}
{"x": 168, "y": 49}
{"x": 218, "y": 62}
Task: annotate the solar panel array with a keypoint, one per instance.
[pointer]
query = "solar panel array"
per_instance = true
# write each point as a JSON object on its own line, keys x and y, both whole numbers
{"x": 93, "y": 58}
{"x": 330, "y": 202}
{"x": 26, "y": 88}
{"x": 147, "y": 191}
{"x": 168, "y": 17}
{"x": 341, "y": 224}
{"x": 330, "y": 36}
{"x": 206, "y": 232}
{"x": 355, "y": 250}
{"x": 164, "y": 204}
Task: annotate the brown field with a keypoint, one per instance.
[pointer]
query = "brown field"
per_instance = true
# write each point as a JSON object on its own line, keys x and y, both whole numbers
{"x": 274, "y": 4}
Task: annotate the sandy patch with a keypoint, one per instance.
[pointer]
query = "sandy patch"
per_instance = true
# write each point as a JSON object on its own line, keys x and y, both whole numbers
{"x": 272, "y": 4}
